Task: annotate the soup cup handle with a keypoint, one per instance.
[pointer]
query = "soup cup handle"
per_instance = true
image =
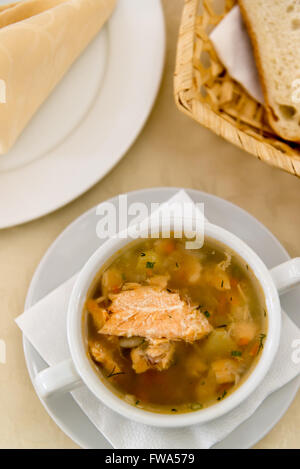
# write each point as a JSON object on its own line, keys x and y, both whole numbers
{"x": 57, "y": 379}
{"x": 287, "y": 275}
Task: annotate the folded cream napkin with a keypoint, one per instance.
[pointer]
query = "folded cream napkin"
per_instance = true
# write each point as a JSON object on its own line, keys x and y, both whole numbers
{"x": 40, "y": 39}
{"x": 233, "y": 46}
{"x": 44, "y": 325}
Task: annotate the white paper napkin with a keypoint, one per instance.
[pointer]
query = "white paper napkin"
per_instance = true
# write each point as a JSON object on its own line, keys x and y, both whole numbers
{"x": 233, "y": 46}
{"x": 44, "y": 325}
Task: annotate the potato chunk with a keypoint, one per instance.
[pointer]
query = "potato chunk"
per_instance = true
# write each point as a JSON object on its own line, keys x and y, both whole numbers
{"x": 159, "y": 281}
{"x": 112, "y": 281}
{"x": 217, "y": 278}
{"x": 195, "y": 366}
{"x": 105, "y": 353}
{"x": 157, "y": 355}
{"x": 243, "y": 332}
{"x": 206, "y": 388}
{"x": 226, "y": 371}
{"x": 218, "y": 345}
{"x": 99, "y": 314}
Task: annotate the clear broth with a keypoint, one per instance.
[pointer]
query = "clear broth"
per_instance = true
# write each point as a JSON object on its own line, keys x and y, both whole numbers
{"x": 224, "y": 289}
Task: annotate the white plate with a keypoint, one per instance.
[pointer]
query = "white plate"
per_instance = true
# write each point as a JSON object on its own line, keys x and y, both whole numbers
{"x": 90, "y": 120}
{"x": 70, "y": 251}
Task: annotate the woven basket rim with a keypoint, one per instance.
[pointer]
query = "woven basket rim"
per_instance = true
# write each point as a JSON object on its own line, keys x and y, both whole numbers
{"x": 186, "y": 103}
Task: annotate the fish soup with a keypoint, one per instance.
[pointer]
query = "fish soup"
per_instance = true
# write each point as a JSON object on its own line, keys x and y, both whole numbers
{"x": 172, "y": 330}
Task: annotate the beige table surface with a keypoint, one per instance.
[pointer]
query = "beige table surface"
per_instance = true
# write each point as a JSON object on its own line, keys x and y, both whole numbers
{"x": 171, "y": 151}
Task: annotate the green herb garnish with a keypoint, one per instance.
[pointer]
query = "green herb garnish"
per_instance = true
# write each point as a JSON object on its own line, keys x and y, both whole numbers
{"x": 207, "y": 314}
{"x": 223, "y": 395}
{"x": 150, "y": 265}
{"x": 143, "y": 254}
{"x": 236, "y": 353}
{"x": 222, "y": 283}
{"x": 174, "y": 410}
{"x": 112, "y": 373}
{"x": 137, "y": 402}
{"x": 261, "y": 342}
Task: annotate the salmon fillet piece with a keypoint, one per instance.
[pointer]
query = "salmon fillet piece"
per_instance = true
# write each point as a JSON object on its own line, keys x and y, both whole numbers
{"x": 106, "y": 353}
{"x": 158, "y": 354}
{"x": 154, "y": 314}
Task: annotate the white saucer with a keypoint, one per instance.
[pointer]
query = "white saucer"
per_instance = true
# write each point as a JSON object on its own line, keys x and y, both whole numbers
{"x": 90, "y": 120}
{"x": 70, "y": 251}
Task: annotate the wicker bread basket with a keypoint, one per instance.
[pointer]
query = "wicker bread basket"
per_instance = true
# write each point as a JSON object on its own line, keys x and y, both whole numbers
{"x": 205, "y": 91}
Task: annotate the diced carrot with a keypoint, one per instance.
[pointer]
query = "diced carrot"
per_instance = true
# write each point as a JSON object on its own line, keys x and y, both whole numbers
{"x": 222, "y": 304}
{"x": 166, "y": 246}
{"x": 235, "y": 299}
{"x": 243, "y": 341}
{"x": 169, "y": 247}
{"x": 233, "y": 282}
{"x": 254, "y": 350}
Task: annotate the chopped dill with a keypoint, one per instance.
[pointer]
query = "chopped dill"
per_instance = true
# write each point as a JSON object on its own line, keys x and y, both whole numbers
{"x": 261, "y": 342}
{"x": 223, "y": 395}
{"x": 112, "y": 373}
{"x": 236, "y": 353}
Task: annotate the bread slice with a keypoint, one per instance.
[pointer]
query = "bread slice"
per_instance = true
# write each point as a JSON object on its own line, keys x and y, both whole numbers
{"x": 39, "y": 41}
{"x": 274, "y": 28}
